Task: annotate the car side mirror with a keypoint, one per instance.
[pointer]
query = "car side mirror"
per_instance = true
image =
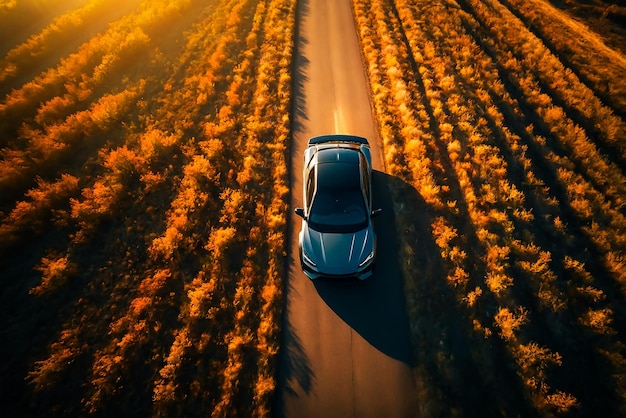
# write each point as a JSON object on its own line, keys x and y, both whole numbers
{"x": 300, "y": 212}
{"x": 376, "y": 212}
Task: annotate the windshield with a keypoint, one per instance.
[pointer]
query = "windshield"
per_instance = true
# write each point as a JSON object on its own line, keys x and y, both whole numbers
{"x": 338, "y": 205}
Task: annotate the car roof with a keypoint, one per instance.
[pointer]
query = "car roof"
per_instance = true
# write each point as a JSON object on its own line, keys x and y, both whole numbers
{"x": 338, "y": 169}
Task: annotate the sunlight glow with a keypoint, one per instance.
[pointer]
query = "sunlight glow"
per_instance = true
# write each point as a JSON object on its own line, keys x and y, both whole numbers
{"x": 340, "y": 124}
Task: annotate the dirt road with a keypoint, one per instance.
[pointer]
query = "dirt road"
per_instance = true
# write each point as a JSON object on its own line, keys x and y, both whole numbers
{"x": 346, "y": 349}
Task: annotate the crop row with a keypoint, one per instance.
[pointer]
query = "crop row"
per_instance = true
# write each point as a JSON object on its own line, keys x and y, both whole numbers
{"x": 55, "y": 36}
{"x": 158, "y": 195}
{"x": 585, "y": 53}
{"x": 507, "y": 151}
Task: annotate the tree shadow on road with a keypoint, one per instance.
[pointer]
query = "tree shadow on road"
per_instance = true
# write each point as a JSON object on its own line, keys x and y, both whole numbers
{"x": 294, "y": 369}
{"x": 294, "y": 365}
{"x": 300, "y": 76}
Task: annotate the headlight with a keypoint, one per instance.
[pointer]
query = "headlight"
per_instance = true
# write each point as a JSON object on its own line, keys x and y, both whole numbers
{"x": 307, "y": 259}
{"x": 367, "y": 259}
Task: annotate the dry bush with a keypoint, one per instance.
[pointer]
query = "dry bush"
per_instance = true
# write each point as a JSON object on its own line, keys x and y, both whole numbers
{"x": 523, "y": 160}
{"x": 178, "y": 234}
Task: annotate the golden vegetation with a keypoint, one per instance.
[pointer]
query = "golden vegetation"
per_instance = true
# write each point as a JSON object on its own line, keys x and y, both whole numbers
{"x": 144, "y": 181}
{"x": 143, "y": 186}
{"x": 506, "y": 118}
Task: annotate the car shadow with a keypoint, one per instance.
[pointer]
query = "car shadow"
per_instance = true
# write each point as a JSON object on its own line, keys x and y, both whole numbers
{"x": 375, "y": 308}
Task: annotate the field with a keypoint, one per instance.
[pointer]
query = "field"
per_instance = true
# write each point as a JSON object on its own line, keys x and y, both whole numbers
{"x": 143, "y": 182}
{"x": 507, "y": 118}
{"x": 144, "y": 186}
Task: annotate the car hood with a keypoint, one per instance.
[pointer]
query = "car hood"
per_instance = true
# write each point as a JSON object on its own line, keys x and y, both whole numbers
{"x": 338, "y": 253}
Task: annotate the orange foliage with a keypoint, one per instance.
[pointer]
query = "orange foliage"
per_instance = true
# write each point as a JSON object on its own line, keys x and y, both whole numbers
{"x": 178, "y": 235}
{"x": 517, "y": 160}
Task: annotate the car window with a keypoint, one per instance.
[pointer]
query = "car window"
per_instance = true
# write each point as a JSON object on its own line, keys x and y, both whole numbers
{"x": 366, "y": 181}
{"x": 310, "y": 186}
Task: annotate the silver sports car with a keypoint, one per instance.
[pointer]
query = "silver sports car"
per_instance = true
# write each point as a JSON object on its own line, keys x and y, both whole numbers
{"x": 337, "y": 239}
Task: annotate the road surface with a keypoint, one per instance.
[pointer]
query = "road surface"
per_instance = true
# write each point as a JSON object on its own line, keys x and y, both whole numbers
{"x": 345, "y": 349}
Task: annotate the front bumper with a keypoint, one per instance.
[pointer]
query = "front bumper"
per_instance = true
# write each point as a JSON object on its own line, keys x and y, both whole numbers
{"x": 314, "y": 274}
